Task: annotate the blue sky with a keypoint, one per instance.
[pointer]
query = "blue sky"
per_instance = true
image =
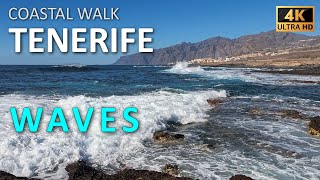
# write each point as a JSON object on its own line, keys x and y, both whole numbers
{"x": 174, "y": 21}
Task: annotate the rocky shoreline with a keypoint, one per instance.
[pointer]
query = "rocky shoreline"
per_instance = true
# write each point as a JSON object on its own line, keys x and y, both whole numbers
{"x": 313, "y": 124}
{"x": 82, "y": 171}
{"x": 303, "y": 70}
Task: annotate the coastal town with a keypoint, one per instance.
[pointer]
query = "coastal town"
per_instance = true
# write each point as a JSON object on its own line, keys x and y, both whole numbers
{"x": 287, "y": 57}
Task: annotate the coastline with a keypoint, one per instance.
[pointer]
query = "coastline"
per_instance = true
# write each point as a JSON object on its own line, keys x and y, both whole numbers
{"x": 81, "y": 170}
{"x": 292, "y": 67}
{"x": 216, "y": 134}
{"x": 301, "y": 70}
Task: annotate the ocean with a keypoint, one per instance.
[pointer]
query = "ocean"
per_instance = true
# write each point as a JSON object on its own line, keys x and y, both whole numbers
{"x": 265, "y": 145}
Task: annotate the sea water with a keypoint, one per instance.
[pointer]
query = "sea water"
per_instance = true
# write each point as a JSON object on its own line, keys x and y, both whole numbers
{"x": 263, "y": 147}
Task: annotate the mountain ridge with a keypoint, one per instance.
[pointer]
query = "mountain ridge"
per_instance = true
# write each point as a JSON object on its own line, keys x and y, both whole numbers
{"x": 219, "y": 47}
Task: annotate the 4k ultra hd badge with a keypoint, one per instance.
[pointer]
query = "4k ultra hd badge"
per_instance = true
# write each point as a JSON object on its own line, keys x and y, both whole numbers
{"x": 295, "y": 19}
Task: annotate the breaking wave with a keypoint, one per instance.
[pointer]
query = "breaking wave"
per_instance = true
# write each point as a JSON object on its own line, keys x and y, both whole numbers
{"x": 29, "y": 154}
{"x": 69, "y": 68}
{"x": 243, "y": 74}
{"x": 184, "y": 68}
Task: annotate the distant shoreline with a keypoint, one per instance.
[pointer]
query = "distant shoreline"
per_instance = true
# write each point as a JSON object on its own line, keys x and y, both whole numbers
{"x": 293, "y": 67}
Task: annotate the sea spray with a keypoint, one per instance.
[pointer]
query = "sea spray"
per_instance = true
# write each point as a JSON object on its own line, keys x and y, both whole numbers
{"x": 241, "y": 74}
{"x": 184, "y": 68}
{"x": 28, "y": 153}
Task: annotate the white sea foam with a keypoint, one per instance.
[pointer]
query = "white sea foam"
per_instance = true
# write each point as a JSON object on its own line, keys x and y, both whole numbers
{"x": 158, "y": 66}
{"x": 184, "y": 68}
{"x": 244, "y": 74}
{"x": 28, "y": 154}
{"x": 286, "y": 133}
{"x": 71, "y": 65}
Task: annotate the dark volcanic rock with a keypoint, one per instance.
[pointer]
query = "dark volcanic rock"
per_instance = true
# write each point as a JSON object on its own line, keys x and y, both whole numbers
{"x": 7, "y": 176}
{"x": 143, "y": 175}
{"x": 256, "y": 112}
{"x": 291, "y": 114}
{"x": 314, "y": 126}
{"x": 305, "y": 82}
{"x": 214, "y": 48}
{"x": 285, "y": 113}
{"x": 172, "y": 170}
{"x": 208, "y": 147}
{"x": 240, "y": 177}
{"x": 165, "y": 137}
{"x": 315, "y": 71}
{"x": 214, "y": 102}
{"x": 81, "y": 171}
{"x": 278, "y": 150}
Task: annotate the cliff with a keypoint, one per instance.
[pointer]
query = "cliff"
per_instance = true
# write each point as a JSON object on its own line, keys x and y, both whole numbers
{"x": 218, "y": 47}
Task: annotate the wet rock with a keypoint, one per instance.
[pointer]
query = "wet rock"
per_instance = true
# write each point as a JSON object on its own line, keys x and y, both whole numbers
{"x": 304, "y": 82}
{"x": 208, "y": 147}
{"x": 174, "y": 123}
{"x": 214, "y": 102}
{"x": 304, "y": 70}
{"x": 274, "y": 149}
{"x": 314, "y": 126}
{"x": 256, "y": 112}
{"x": 240, "y": 177}
{"x": 283, "y": 152}
{"x": 131, "y": 174}
{"x": 7, "y": 176}
{"x": 165, "y": 137}
{"x": 82, "y": 171}
{"x": 172, "y": 170}
{"x": 287, "y": 113}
